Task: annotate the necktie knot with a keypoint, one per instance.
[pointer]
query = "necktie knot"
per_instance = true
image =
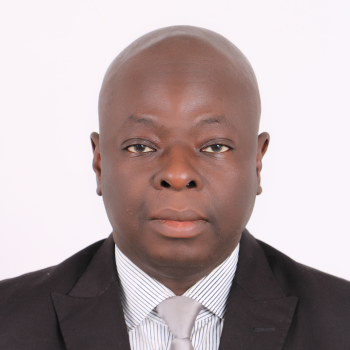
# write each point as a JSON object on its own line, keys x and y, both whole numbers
{"x": 180, "y": 314}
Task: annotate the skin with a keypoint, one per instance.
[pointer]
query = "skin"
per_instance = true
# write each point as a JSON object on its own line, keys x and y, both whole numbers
{"x": 178, "y": 158}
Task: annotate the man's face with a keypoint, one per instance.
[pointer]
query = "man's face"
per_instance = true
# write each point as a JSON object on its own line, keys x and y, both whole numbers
{"x": 178, "y": 167}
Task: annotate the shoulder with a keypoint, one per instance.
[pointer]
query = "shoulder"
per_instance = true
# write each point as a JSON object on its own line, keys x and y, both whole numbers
{"x": 295, "y": 276}
{"x": 25, "y": 301}
{"x": 319, "y": 293}
{"x": 62, "y": 276}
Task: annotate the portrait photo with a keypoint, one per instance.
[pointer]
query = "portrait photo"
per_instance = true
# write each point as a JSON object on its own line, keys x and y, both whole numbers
{"x": 163, "y": 158}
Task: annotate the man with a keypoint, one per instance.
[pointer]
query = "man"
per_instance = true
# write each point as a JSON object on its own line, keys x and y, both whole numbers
{"x": 178, "y": 163}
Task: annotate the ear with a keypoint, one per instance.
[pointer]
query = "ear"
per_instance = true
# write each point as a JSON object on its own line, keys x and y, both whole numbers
{"x": 263, "y": 143}
{"x": 96, "y": 163}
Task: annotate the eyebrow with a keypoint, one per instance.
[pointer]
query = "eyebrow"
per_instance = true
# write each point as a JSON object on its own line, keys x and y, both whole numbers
{"x": 132, "y": 119}
{"x": 215, "y": 119}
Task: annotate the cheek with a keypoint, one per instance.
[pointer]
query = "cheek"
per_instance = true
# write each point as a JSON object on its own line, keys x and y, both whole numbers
{"x": 235, "y": 195}
{"x": 123, "y": 191}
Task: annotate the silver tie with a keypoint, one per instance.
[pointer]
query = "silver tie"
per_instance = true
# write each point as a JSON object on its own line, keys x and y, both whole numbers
{"x": 180, "y": 313}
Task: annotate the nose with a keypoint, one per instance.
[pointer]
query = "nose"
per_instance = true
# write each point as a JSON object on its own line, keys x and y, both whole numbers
{"x": 178, "y": 172}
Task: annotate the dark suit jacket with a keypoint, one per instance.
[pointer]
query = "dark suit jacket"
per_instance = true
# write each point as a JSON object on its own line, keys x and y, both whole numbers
{"x": 275, "y": 303}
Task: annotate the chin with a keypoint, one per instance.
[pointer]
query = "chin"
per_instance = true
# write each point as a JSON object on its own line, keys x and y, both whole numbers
{"x": 181, "y": 256}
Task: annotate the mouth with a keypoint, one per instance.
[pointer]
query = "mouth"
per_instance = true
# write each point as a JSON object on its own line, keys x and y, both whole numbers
{"x": 178, "y": 224}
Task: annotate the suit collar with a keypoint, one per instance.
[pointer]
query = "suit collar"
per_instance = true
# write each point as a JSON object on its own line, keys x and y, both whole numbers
{"x": 99, "y": 274}
{"x": 253, "y": 274}
{"x": 91, "y": 315}
{"x": 259, "y": 314}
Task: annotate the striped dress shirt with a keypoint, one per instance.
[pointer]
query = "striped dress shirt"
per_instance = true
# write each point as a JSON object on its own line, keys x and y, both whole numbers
{"x": 140, "y": 294}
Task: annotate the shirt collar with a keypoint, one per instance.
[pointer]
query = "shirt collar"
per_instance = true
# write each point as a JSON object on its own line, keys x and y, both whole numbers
{"x": 140, "y": 293}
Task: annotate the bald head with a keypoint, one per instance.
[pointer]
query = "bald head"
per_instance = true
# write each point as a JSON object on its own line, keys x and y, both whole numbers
{"x": 183, "y": 54}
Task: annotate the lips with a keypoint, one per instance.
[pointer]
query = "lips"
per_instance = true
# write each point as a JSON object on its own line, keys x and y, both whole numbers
{"x": 178, "y": 215}
{"x": 178, "y": 224}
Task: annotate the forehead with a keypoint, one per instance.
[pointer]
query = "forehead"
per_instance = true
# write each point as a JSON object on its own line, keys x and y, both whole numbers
{"x": 177, "y": 85}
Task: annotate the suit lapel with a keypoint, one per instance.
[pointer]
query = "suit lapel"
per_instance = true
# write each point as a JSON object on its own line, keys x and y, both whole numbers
{"x": 91, "y": 315}
{"x": 258, "y": 314}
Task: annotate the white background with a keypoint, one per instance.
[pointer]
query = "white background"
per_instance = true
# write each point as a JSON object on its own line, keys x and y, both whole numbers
{"x": 53, "y": 58}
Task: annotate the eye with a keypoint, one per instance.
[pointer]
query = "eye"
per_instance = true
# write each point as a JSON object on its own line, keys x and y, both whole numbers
{"x": 139, "y": 149}
{"x": 215, "y": 149}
